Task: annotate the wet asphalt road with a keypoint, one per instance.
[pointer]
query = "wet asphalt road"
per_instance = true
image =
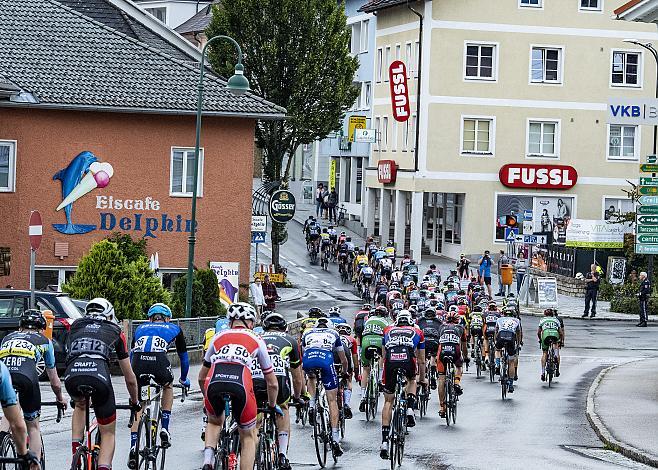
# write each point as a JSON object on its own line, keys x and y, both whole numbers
{"x": 535, "y": 427}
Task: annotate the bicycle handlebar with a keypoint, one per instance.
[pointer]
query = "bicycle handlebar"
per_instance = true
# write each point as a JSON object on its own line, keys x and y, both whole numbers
{"x": 60, "y": 408}
{"x": 133, "y": 413}
{"x": 185, "y": 391}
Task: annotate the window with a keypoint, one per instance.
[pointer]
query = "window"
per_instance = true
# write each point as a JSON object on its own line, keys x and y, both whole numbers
{"x": 379, "y": 64}
{"x": 614, "y": 207}
{"x": 530, "y": 3}
{"x": 453, "y": 217}
{"x": 359, "y": 39}
{"x": 397, "y": 52}
{"x": 385, "y": 133}
{"x": 182, "y": 172}
{"x": 542, "y": 139}
{"x": 545, "y": 65}
{"x": 364, "y": 35}
{"x": 479, "y": 63}
{"x": 477, "y": 136}
{"x": 359, "y": 178}
{"x": 625, "y": 68}
{"x": 591, "y": 5}
{"x": 539, "y": 214}
{"x": 366, "y": 89}
{"x": 160, "y": 13}
{"x": 394, "y": 143}
{"x": 378, "y": 133}
{"x": 387, "y": 62}
{"x": 416, "y": 56}
{"x": 412, "y": 133}
{"x": 623, "y": 142}
{"x": 405, "y": 135}
{"x": 7, "y": 165}
{"x": 408, "y": 59}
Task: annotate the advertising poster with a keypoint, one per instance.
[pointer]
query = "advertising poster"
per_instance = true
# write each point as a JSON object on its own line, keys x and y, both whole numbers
{"x": 552, "y": 214}
{"x": 547, "y": 291}
{"x": 585, "y": 233}
{"x": 228, "y": 276}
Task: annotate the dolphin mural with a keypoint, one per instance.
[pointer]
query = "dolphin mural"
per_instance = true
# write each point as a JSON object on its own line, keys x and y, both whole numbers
{"x": 83, "y": 174}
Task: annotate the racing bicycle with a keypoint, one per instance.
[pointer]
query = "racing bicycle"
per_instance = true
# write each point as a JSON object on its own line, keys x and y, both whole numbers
{"x": 324, "y": 262}
{"x": 321, "y": 424}
{"x": 450, "y": 396}
{"x": 478, "y": 357}
{"x": 504, "y": 376}
{"x": 267, "y": 450}
{"x": 372, "y": 387}
{"x": 228, "y": 445}
{"x": 492, "y": 359}
{"x": 551, "y": 363}
{"x": 398, "y": 432}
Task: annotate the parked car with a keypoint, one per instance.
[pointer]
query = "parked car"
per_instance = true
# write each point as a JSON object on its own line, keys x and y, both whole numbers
{"x": 81, "y": 304}
{"x": 13, "y": 302}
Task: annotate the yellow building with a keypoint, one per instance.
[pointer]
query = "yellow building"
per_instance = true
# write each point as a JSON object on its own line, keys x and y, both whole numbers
{"x": 513, "y": 118}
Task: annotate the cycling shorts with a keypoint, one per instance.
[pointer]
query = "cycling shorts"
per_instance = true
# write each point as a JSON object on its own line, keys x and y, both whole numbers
{"x": 547, "y": 338}
{"x": 313, "y": 236}
{"x": 322, "y": 360}
{"x": 260, "y": 389}
{"x": 449, "y": 351}
{"x": 507, "y": 340}
{"x": 233, "y": 381}
{"x": 29, "y": 395}
{"x": 156, "y": 364}
{"x": 431, "y": 347}
{"x": 408, "y": 368}
{"x": 369, "y": 344}
{"x": 476, "y": 331}
{"x": 7, "y": 392}
{"x": 93, "y": 373}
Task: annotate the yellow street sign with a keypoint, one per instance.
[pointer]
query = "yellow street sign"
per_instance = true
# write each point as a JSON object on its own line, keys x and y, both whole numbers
{"x": 274, "y": 277}
{"x": 355, "y": 122}
{"x": 332, "y": 174}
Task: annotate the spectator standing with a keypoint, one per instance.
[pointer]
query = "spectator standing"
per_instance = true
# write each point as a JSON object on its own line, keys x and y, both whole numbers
{"x": 332, "y": 202}
{"x": 319, "y": 195}
{"x": 591, "y": 290}
{"x": 257, "y": 296}
{"x": 462, "y": 266}
{"x": 632, "y": 277}
{"x": 521, "y": 269}
{"x": 502, "y": 259}
{"x": 643, "y": 296}
{"x": 325, "y": 201}
{"x": 269, "y": 293}
{"x": 484, "y": 270}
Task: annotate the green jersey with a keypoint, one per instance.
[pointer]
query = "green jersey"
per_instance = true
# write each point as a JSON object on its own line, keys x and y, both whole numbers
{"x": 549, "y": 326}
{"x": 375, "y": 326}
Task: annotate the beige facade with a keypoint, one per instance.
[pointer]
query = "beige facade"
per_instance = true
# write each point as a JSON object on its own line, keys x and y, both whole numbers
{"x": 505, "y": 82}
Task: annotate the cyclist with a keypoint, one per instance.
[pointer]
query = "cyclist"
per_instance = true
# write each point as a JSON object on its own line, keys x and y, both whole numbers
{"x": 404, "y": 262}
{"x": 90, "y": 343}
{"x": 351, "y": 352}
{"x": 8, "y": 401}
{"x": 226, "y": 371}
{"x": 385, "y": 269}
{"x": 551, "y": 336}
{"x": 373, "y": 335}
{"x": 381, "y": 289}
{"x": 319, "y": 345}
{"x": 390, "y": 250}
{"x": 333, "y": 236}
{"x": 366, "y": 276}
{"x": 359, "y": 322}
{"x": 312, "y": 235}
{"x": 307, "y": 222}
{"x": 404, "y": 346}
{"x": 284, "y": 353}
{"x": 21, "y": 351}
{"x": 151, "y": 342}
{"x": 309, "y": 322}
{"x": 377, "y": 256}
{"x": 452, "y": 345}
{"x": 413, "y": 270}
{"x": 476, "y": 329}
{"x": 491, "y": 317}
{"x": 509, "y": 336}
{"x": 325, "y": 242}
{"x": 430, "y": 325}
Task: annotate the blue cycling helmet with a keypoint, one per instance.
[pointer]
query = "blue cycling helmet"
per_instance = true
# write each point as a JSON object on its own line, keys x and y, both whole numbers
{"x": 159, "y": 309}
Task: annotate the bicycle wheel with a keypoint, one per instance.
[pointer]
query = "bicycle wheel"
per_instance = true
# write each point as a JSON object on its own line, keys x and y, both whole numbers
{"x": 393, "y": 440}
{"x": 261, "y": 451}
{"x": 402, "y": 428}
{"x": 142, "y": 445}
{"x": 549, "y": 367}
{"x": 319, "y": 437}
{"x": 7, "y": 449}
{"x": 503, "y": 377}
{"x": 422, "y": 401}
{"x": 79, "y": 461}
{"x": 448, "y": 398}
{"x": 492, "y": 365}
{"x": 43, "y": 454}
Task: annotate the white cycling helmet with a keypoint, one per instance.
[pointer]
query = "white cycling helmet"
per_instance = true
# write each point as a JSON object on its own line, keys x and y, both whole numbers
{"x": 101, "y": 309}
{"x": 404, "y": 318}
{"x": 324, "y": 323}
{"x": 334, "y": 312}
{"x": 241, "y": 311}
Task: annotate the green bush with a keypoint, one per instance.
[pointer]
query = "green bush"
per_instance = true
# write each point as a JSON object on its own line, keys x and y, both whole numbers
{"x": 631, "y": 305}
{"x": 210, "y": 283}
{"x": 606, "y": 291}
{"x": 205, "y": 295}
{"x": 107, "y": 272}
{"x": 133, "y": 249}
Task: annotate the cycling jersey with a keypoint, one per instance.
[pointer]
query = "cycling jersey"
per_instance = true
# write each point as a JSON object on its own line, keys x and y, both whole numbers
{"x": 507, "y": 328}
{"x": 230, "y": 359}
{"x": 477, "y": 323}
{"x": 350, "y": 246}
{"x": 367, "y": 272}
{"x": 318, "y": 348}
{"x": 337, "y": 320}
{"x": 386, "y": 264}
{"x": 151, "y": 342}
{"x": 379, "y": 254}
{"x": 390, "y": 251}
{"x": 284, "y": 353}
{"x": 549, "y": 330}
{"x": 361, "y": 259}
{"x": 350, "y": 348}
{"x": 359, "y": 322}
{"x": 307, "y": 323}
{"x": 400, "y": 344}
{"x": 490, "y": 320}
{"x": 450, "y": 338}
{"x": 7, "y": 392}
{"x": 90, "y": 343}
{"x": 20, "y": 351}
{"x": 431, "y": 328}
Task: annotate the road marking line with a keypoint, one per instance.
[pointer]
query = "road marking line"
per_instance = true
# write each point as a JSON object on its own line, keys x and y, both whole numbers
{"x": 303, "y": 270}
{"x": 325, "y": 283}
{"x": 292, "y": 264}
{"x": 283, "y": 257}
{"x": 313, "y": 276}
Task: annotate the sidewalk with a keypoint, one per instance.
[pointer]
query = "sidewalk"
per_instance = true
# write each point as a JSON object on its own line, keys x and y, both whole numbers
{"x": 622, "y": 409}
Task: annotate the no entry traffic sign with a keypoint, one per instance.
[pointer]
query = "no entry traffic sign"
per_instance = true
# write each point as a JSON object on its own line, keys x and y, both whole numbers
{"x": 35, "y": 230}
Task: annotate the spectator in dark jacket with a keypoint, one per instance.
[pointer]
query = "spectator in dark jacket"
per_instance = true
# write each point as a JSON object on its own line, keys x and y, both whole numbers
{"x": 643, "y": 296}
{"x": 593, "y": 279}
{"x": 332, "y": 202}
{"x": 270, "y": 294}
{"x": 319, "y": 194}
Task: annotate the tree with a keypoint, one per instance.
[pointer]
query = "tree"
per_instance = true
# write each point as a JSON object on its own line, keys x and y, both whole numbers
{"x": 297, "y": 55}
{"x": 205, "y": 295}
{"x": 107, "y": 272}
{"x": 131, "y": 248}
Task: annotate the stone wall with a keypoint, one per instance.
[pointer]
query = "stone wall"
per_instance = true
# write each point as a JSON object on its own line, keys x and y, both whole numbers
{"x": 565, "y": 285}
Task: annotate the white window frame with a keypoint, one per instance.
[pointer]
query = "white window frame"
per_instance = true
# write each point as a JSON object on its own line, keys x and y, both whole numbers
{"x": 384, "y": 133}
{"x": 560, "y": 71}
{"x": 540, "y": 5}
{"x": 494, "y": 72}
{"x": 413, "y": 122}
{"x": 394, "y": 134}
{"x": 11, "y": 180}
{"x": 556, "y": 144}
{"x": 365, "y": 26}
{"x": 416, "y": 54}
{"x": 617, "y": 198}
{"x": 405, "y": 135}
{"x": 598, "y": 9}
{"x": 166, "y": 9}
{"x": 173, "y": 193}
{"x": 637, "y": 144}
{"x": 379, "y": 63}
{"x": 398, "y": 51}
{"x": 378, "y": 133}
{"x": 640, "y": 71}
{"x": 355, "y": 48}
{"x": 365, "y": 97}
{"x": 387, "y": 61}
{"x": 492, "y": 137}
{"x": 408, "y": 58}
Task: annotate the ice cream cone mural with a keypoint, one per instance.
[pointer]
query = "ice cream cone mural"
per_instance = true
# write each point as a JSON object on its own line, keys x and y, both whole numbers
{"x": 83, "y": 174}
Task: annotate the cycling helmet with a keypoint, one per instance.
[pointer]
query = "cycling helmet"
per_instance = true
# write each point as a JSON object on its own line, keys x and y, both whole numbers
{"x": 493, "y": 305}
{"x": 324, "y": 322}
{"x": 461, "y": 292}
{"x": 477, "y": 309}
{"x": 404, "y": 318}
{"x": 275, "y": 321}
{"x": 366, "y": 307}
{"x": 440, "y": 306}
{"x": 380, "y": 311}
{"x": 430, "y": 314}
{"x": 32, "y": 319}
{"x": 390, "y": 243}
{"x": 315, "y": 312}
{"x": 264, "y": 315}
{"x": 412, "y": 261}
{"x": 453, "y": 308}
{"x": 344, "y": 329}
{"x": 477, "y": 288}
{"x": 451, "y": 316}
{"x": 101, "y": 309}
{"x": 348, "y": 239}
{"x": 241, "y": 311}
{"x": 334, "y": 312}
{"x": 424, "y": 285}
{"x": 549, "y": 312}
{"x": 159, "y": 309}
{"x": 462, "y": 302}
{"x": 510, "y": 312}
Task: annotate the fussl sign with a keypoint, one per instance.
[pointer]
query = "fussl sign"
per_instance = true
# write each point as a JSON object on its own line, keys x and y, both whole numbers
{"x": 397, "y": 74}
{"x": 525, "y": 175}
{"x": 386, "y": 171}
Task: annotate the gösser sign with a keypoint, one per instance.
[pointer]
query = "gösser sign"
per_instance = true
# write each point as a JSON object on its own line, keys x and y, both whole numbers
{"x": 282, "y": 206}
{"x": 397, "y": 73}
{"x": 523, "y": 175}
{"x": 387, "y": 171}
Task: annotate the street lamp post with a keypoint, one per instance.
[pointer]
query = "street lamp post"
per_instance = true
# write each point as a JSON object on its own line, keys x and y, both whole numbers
{"x": 238, "y": 85}
{"x": 648, "y": 46}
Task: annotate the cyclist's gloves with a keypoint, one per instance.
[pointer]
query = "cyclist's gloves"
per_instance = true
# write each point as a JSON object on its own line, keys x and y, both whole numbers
{"x": 276, "y": 409}
{"x": 184, "y": 382}
{"x": 135, "y": 407}
{"x": 30, "y": 458}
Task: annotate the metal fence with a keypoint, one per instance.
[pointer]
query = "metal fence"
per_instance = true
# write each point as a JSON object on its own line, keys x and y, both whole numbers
{"x": 194, "y": 329}
{"x": 560, "y": 260}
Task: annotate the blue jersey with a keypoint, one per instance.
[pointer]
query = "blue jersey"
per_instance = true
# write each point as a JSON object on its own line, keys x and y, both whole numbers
{"x": 7, "y": 392}
{"x": 157, "y": 337}
{"x": 379, "y": 254}
{"x": 221, "y": 324}
{"x": 337, "y": 320}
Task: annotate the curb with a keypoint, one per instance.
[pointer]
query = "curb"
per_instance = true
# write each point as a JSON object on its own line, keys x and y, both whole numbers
{"x": 302, "y": 294}
{"x": 537, "y": 313}
{"x": 604, "y": 434}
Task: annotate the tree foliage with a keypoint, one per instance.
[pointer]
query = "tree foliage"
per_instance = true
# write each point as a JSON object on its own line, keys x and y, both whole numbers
{"x": 131, "y": 248}
{"x": 107, "y": 272}
{"x": 205, "y": 295}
